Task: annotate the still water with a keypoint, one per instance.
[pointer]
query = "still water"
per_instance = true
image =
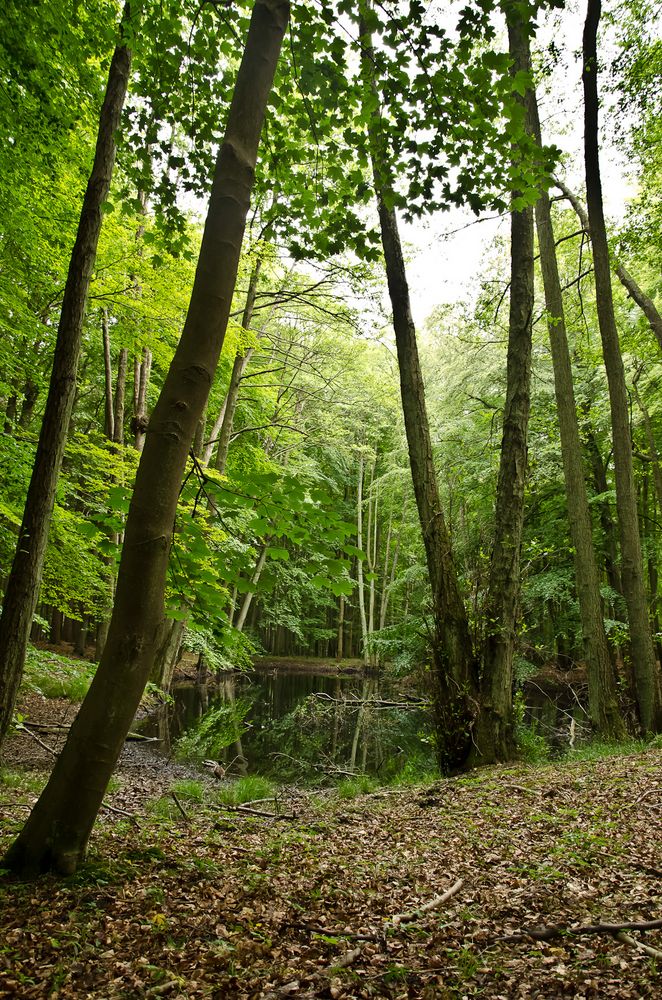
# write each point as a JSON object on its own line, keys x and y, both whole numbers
{"x": 293, "y": 724}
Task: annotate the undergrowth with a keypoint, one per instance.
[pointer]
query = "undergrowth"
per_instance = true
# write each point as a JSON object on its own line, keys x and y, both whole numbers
{"x": 55, "y": 676}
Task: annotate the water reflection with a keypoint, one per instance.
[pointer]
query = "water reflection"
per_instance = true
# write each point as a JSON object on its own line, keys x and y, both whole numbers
{"x": 273, "y": 723}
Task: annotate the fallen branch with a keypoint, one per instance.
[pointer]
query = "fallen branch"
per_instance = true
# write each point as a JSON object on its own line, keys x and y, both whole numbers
{"x": 549, "y": 933}
{"x": 180, "y": 807}
{"x": 23, "y": 729}
{"x": 121, "y": 812}
{"x": 347, "y": 959}
{"x": 393, "y": 924}
{"x": 626, "y": 939}
{"x": 331, "y": 932}
{"x": 372, "y": 702}
{"x": 245, "y": 810}
{"x": 432, "y": 904}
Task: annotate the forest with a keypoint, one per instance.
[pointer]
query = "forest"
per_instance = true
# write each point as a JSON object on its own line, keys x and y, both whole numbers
{"x": 331, "y": 498}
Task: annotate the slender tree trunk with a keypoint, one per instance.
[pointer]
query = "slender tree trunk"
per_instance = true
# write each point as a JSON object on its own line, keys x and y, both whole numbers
{"x": 454, "y": 665}
{"x": 649, "y": 694}
{"x": 22, "y": 589}
{"x": 340, "y": 649}
{"x": 248, "y": 596}
{"x": 637, "y": 295}
{"x": 109, "y": 410}
{"x": 120, "y": 393}
{"x": 494, "y": 731}
{"x": 57, "y": 831}
{"x": 653, "y": 453}
{"x": 30, "y": 396}
{"x": 238, "y": 369}
{"x": 359, "y": 567}
{"x": 602, "y": 694}
{"x": 141, "y": 372}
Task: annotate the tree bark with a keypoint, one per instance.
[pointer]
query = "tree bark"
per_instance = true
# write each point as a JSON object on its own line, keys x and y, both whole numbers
{"x": 57, "y": 831}
{"x": 248, "y": 596}
{"x": 109, "y": 410}
{"x": 120, "y": 394}
{"x": 141, "y": 372}
{"x": 494, "y": 731}
{"x": 649, "y": 695}
{"x": 22, "y": 589}
{"x": 454, "y": 668}
{"x": 359, "y": 563}
{"x": 602, "y": 695}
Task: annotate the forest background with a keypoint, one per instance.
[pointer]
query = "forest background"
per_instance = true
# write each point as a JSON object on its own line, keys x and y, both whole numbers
{"x": 297, "y": 530}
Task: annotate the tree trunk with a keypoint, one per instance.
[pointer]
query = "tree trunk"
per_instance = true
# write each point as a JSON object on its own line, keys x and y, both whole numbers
{"x": 141, "y": 373}
{"x": 120, "y": 393}
{"x": 248, "y": 596}
{"x": 494, "y": 732}
{"x": 57, "y": 831}
{"x": 109, "y": 410}
{"x": 238, "y": 369}
{"x": 22, "y": 589}
{"x": 454, "y": 665}
{"x": 359, "y": 565}
{"x": 602, "y": 694}
{"x": 649, "y": 695}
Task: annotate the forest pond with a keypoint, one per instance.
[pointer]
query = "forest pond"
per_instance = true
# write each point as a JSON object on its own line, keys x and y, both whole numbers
{"x": 294, "y": 724}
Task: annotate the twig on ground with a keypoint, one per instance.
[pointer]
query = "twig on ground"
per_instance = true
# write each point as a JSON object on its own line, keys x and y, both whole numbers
{"x": 244, "y": 810}
{"x": 121, "y": 812}
{"x": 347, "y": 959}
{"x": 180, "y": 807}
{"x": 332, "y": 932}
{"x": 432, "y": 904}
{"x": 23, "y": 729}
{"x": 626, "y": 939}
{"x": 647, "y": 794}
{"x": 393, "y": 925}
{"x": 549, "y": 933}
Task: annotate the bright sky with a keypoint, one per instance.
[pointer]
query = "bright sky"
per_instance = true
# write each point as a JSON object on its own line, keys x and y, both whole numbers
{"x": 447, "y": 254}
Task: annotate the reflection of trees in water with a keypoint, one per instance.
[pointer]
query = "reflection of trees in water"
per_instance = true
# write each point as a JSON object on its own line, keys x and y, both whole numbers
{"x": 292, "y": 734}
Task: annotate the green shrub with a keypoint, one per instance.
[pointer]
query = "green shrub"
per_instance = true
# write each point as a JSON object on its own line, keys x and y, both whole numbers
{"x": 533, "y": 748}
{"x": 597, "y": 749}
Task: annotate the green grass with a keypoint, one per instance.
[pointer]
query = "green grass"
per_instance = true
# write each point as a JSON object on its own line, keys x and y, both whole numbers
{"x": 192, "y": 791}
{"x": 597, "y": 749}
{"x": 24, "y": 781}
{"x": 361, "y": 785}
{"x": 55, "y": 676}
{"x": 247, "y": 789}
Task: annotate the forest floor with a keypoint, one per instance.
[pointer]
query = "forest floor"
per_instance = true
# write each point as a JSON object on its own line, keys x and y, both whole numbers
{"x": 345, "y": 897}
